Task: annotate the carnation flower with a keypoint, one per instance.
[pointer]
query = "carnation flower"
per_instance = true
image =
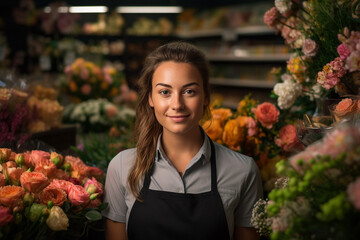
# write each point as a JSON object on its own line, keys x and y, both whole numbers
{"x": 287, "y": 93}
{"x": 271, "y": 17}
{"x": 309, "y": 48}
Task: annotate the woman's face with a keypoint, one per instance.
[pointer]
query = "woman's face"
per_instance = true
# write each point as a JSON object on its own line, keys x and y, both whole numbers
{"x": 177, "y": 97}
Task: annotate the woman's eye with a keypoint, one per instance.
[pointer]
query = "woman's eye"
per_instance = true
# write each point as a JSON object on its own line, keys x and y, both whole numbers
{"x": 189, "y": 91}
{"x": 164, "y": 92}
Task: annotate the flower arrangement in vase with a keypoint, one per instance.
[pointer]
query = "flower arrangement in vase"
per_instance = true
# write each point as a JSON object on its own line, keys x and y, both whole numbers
{"x": 325, "y": 56}
{"x": 85, "y": 80}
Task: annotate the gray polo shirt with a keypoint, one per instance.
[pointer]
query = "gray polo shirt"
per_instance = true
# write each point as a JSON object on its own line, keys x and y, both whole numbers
{"x": 238, "y": 180}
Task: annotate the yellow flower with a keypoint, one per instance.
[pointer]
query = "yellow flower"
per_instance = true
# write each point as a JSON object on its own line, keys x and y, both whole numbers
{"x": 57, "y": 220}
{"x": 234, "y": 134}
{"x": 73, "y": 87}
{"x": 214, "y": 129}
{"x": 221, "y": 114}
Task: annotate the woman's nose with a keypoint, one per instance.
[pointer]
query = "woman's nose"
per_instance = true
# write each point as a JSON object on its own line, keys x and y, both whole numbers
{"x": 177, "y": 102}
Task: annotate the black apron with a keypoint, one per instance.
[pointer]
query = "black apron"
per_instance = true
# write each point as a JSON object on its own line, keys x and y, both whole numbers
{"x": 171, "y": 216}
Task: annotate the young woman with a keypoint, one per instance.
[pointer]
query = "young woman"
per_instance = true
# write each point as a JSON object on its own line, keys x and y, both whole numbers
{"x": 177, "y": 183}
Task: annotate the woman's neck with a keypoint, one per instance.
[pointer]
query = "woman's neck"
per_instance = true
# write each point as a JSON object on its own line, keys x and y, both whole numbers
{"x": 181, "y": 148}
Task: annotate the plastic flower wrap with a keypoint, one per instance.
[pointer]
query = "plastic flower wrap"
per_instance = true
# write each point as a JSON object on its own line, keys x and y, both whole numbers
{"x": 97, "y": 114}
{"x": 47, "y": 195}
{"x": 85, "y": 80}
{"x": 317, "y": 196}
{"x": 326, "y": 50}
{"x": 257, "y": 130}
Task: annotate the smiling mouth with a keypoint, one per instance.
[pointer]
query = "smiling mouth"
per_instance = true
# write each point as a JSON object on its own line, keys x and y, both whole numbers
{"x": 178, "y": 118}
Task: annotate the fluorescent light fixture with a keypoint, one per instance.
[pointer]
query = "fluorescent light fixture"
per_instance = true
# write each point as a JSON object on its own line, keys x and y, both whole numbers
{"x": 148, "y": 9}
{"x": 79, "y": 9}
{"x": 88, "y": 9}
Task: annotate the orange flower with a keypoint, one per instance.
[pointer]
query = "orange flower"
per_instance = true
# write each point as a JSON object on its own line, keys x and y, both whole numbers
{"x": 78, "y": 167}
{"x": 214, "y": 129}
{"x": 11, "y": 196}
{"x": 38, "y": 155}
{"x": 73, "y": 87}
{"x": 267, "y": 114}
{"x": 56, "y": 195}
{"x": 221, "y": 114}
{"x": 345, "y": 107}
{"x": 34, "y": 181}
{"x": 5, "y": 154}
{"x": 14, "y": 174}
{"x": 45, "y": 166}
{"x": 234, "y": 134}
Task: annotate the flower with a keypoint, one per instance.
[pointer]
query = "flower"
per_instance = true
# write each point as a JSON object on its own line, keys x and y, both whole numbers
{"x": 287, "y": 138}
{"x": 11, "y": 196}
{"x": 85, "y": 80}
{"x": 5, "y": 216}
{"x": 78, "y": 195}
{"x": 42, "y": 206}
{"x": 326, "y": 51}
{"x": 55, "y": 195}
{"x": 267, "y": 114}
{"x": 34, "y": 181}
{"x": 57, "y": 220}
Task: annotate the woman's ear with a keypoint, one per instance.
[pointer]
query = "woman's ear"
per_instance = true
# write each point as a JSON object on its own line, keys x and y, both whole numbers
{"x": 150, "y": 101}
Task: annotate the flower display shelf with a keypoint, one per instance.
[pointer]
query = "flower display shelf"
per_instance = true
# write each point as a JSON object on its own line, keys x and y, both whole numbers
{"x": 59, "y": 138}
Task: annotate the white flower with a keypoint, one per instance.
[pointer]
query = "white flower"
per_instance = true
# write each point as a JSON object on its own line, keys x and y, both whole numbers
{"x": 57, "y": 220}
{"x": 283, "y": 5}
{"x": 287, "y": 92}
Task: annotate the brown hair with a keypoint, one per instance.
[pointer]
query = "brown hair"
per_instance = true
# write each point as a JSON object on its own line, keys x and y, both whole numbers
{"x": 147, "y": 128}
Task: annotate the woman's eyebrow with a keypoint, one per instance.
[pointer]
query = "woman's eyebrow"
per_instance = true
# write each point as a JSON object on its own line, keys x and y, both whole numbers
{"x": 169, "y": 86}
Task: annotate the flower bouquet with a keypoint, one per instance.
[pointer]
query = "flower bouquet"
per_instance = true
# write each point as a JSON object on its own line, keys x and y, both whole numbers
{"x": 326, "y": 50}
{"x": 48, "y": 196}
{"x": 98, "y": 115}
{"x": 257, "y": 130}
{"x": 318, "y": 194}
{"x": 85, "y": 80}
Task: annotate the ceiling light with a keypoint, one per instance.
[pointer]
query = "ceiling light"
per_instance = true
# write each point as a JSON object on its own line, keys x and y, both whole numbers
{"x": 146, "y": 9}
{"x": 79, "y": 9}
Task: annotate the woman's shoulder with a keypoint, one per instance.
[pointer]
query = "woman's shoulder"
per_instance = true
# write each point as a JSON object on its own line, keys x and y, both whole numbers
{"x": 124, "y": 159}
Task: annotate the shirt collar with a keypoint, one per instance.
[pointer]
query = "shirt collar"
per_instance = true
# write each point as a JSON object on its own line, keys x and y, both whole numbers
{"x": 204, "y": 152}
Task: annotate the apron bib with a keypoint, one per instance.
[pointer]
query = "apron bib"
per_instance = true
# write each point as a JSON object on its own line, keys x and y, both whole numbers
{"x": 177, "y": 216}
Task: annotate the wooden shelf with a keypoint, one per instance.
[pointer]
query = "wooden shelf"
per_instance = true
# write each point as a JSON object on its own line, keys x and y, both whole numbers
{"x": 242, "y": 83}
{"x": 246, "y": 30}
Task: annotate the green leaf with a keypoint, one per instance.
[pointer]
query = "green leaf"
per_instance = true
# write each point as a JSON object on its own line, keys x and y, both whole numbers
{"x": 103, "y": 206}
{"x": 93, "y": 215}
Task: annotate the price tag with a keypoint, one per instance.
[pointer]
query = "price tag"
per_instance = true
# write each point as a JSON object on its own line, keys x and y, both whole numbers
{"x": 229, "y": 35}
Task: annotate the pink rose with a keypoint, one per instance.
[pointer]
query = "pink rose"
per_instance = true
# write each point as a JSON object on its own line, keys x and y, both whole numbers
{"x": 61, "y": 184}
{"x": 34, "y": 181}
{"x": 343, "y": 51}
{"x": 267, "y": 114}
{"x": 93, "y": 186}
{"x": 78, "y": 195}
{"x": 309, "y": 47}
{"x": 37, "y": 156}
{"x": 5, "y": 216}
{"x": 353, "y": 192}
{"x": 287, "y": 138}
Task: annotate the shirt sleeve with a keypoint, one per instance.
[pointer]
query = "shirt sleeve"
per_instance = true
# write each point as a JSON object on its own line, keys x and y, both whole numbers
{"x": 250, "y": 193}
{"x": 115, "y": 191}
